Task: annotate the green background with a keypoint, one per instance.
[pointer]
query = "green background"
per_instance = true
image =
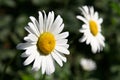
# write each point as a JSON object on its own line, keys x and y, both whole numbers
{"x": 14, "y": 16}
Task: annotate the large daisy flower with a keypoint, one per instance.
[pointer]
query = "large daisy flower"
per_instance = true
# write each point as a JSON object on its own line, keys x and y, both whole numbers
{"x": 45, "y": 43}
{"x": 91, "y": 29}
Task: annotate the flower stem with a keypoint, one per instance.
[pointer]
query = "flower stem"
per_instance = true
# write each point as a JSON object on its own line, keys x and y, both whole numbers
{"x": 6, "y": 66}
{"x": 43, "y": 77}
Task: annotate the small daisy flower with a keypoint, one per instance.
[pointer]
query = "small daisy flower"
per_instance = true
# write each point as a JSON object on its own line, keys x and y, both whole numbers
{"x": 45, "y": 43}
{"x": 91, "y": 29}
{"x": 88, "y": 64}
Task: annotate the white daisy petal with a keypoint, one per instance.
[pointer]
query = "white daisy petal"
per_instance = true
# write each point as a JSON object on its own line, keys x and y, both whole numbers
{"x": 30, "y": 49}
{"x": 82, "y": 19}
{"x": 37, "y": 62}
{"x": 30, "y": 38}
{"x": 101, "y": 42}
{"x": 88, "y": 40}
{"x": 60, "y": 28}
{"x": 57, "y": 23}
{"x": 100, "y": 20}
{"x": 40, "y": 22}
{"x": 35, "y": 24}
{"x": 94, "y": 46}
{"x": 43, "y": 64}
{"x": 83, "y": 39}
{"x": 57, "y": 59}
{"x": 31, "y": 25}
{"x": 44, "y": 22}
{"x": 61, "y": 41}
{"x": 50, "y": 20}
{"x": 91, "y": 11}
{"x": 62, "y": 57}
{"x": 85, "y": 8}
{"x": 27, "y": 28}
{"x": 24, "y": 45}
{"x": 85, "y": 12}
{"x": 63, "y": 45}
{"x": 50, "y": 66}
{"x": 82, "y": 30}
{"x": 62, "y": 50}
{"x": 24, "y": 55}
{"x": 28, "y": 52}
{"x": 66, "y": 46}
{"x": 62, "y": 35}
{"x": 101, "y": 37}
{"x": 96, "y": 15}
{"x": 29, "y": 59}
{"x": 84, "y": 26}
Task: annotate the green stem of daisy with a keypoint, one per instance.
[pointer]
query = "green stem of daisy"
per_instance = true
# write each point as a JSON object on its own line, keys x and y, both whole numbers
{"x": 4, "y": 70}
{"x": 43, "y": 77}
{"x": 6, "y": 66}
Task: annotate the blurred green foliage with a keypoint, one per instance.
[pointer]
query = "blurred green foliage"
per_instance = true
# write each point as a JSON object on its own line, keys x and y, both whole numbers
{"x": 14, "y": 16}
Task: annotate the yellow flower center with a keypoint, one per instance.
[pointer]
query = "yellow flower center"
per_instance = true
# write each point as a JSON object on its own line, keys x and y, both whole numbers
{"x": 46, "y": 43}
{"x": 93, "y": 27}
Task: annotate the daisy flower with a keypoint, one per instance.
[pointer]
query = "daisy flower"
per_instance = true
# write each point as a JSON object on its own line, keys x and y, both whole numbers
{"x": 91, "y": 29}
{"x": 87, "y": 64}
{"x": 45, "y": 43}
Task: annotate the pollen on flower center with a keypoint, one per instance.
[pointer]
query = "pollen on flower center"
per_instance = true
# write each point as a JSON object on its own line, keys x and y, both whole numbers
{"x": 46, "y": 43}
{"x": 93, "y": 27}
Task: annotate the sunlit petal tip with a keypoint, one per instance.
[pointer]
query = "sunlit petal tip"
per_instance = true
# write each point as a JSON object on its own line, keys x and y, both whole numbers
{"x": 25, "y": 63}
{"x": 94, "y": 51}
{"x": 100, "y": 20}
{"x": 52, "y": 12}
{"x": 32, "y": 18}
{"x": 65, "y": 60}
{"x": 67, "y": 33}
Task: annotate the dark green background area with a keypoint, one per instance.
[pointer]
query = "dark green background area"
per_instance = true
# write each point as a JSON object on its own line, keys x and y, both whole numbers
{"x": 14, "y": 16}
